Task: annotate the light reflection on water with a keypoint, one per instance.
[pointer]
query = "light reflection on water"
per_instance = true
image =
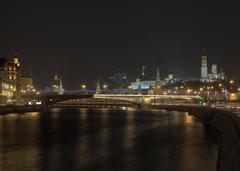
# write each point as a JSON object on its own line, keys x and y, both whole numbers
{"x": 104, "y": 139}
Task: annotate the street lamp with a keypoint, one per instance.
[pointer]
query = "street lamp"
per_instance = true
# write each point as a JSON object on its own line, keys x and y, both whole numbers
{"x": 83, "y": 87}
{"x": 105, "y": 86}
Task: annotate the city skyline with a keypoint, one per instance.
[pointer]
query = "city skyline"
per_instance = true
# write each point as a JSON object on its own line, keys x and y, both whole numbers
{"x": 91, "y": 40}
{"x": 149, "y": 74}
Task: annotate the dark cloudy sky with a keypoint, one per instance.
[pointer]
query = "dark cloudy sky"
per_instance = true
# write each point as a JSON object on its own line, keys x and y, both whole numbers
{"x": 83, "y": 40}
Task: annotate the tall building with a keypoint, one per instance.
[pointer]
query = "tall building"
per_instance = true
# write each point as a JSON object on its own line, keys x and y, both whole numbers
{"x": 9, "y": 78}
{"x": 204, "y": 66}
{"x": 214, "y": 74}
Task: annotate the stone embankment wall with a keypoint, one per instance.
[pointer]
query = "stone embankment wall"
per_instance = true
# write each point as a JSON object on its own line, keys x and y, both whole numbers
{"x": 226, "y": 126}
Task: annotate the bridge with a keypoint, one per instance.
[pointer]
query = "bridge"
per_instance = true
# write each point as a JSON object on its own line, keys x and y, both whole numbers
{"x": 51, "y": 99}
{"x": 148, "y": 99}
{"x": 135, "y": 99}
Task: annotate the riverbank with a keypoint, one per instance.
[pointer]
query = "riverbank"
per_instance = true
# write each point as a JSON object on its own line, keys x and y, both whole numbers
{"x": 226, "y": 126}
{"x": 20, "y": 109}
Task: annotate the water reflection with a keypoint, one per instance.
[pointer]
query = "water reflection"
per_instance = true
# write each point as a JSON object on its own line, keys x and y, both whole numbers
{"x": 104, "y": 139}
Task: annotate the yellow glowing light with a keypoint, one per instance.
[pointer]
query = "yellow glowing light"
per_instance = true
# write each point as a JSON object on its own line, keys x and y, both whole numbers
{"x": 231, "y": 81}
{"x": 83, "y": 86}
{"x": 232, "y": 96}
{"x": 105, "y": 86}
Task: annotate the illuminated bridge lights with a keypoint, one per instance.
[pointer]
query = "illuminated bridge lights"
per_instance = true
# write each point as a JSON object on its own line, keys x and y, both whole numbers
{"x": 187, "y": 97}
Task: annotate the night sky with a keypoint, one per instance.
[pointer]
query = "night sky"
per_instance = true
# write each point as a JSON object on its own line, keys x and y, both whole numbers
{"x": 85, "y": 40}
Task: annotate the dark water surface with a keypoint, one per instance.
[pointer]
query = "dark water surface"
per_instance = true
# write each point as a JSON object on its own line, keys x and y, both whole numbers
{"x": 106, "y": 140}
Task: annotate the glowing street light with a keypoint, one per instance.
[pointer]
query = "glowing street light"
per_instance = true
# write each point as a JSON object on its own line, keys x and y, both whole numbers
{"x": 83, "y": 86}
{"x": 105, "y": 86}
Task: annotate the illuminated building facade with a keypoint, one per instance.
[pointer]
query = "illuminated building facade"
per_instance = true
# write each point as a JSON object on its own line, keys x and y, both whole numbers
{"x": 204, "y": 67}
{"x": 25, "y": 83}
{"x": 9, "y": 78}
{"x": 214, "y": 74}
{"x": 144, "y": 85}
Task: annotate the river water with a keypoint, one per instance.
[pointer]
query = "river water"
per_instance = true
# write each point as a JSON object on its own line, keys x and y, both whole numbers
{"x": 104, "y": 140}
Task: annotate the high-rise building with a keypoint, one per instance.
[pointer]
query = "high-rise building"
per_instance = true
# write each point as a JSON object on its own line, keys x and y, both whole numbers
{"x": 204, "y": 66}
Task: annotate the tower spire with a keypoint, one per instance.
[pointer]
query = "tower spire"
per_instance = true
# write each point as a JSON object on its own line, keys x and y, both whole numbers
{"x": 157, "y": 84}
{"x": 158, "y": 74}
{"x": 204, "y": 66}
{"x": 60, "y": 90}
{"x": 98, "y": 89}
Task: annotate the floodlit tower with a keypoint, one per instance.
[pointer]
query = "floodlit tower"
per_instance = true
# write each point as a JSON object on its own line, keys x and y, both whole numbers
{"x": 214, "y": 69}
{"x": 98, "y": 90}
{"x": 157, "y": 84}
{"x": 16, "y": 60}
{"x": 60, "y": 90}
{"x": 143, "y": 76}
{"x": 204, "y": 67}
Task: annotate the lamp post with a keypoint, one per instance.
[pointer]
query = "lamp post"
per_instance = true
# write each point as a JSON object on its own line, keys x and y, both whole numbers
{"x": 83, "y": 86}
